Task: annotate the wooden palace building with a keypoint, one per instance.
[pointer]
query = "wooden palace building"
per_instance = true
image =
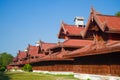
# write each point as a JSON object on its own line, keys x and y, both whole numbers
{"x": 93, "y": 48}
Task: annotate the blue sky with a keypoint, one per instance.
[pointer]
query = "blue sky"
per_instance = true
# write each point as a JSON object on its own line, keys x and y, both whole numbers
{"x": 24, "y": 22}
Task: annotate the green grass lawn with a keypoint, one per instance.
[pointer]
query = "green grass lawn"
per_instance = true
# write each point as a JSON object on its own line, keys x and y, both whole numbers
{"x": 33, "y": 76}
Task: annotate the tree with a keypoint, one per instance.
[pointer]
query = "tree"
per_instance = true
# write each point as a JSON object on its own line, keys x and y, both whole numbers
{"x": 117, "y": 14}
{"x": 5, "y": 58}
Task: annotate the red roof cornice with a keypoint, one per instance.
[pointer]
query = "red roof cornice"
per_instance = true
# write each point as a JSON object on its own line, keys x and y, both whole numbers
{"x": 108, "y": 50}
{"x": 95, "y": 49}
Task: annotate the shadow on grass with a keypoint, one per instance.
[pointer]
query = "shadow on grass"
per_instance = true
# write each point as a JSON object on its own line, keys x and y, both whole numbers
{"x": 3, "y": 76}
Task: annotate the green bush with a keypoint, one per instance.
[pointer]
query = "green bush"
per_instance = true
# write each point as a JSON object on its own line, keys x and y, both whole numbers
{"x": 2, "y": 69}
{"x": 27, "y": 67}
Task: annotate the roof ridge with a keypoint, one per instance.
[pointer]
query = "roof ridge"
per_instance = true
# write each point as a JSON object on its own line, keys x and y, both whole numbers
{"x": 70, "y": 25}
{"x": 80, "y": 39}
{"x": 31, "y": 45}
{"x": 108, "y": 15}
{"x": 49, "y": 43}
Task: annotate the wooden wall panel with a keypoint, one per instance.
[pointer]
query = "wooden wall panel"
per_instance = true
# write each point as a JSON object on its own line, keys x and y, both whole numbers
{"x": 88, "y": 69}
{"x": 92, "y": 69}
{"x": 115, "y": 69}
{"x": 54, "y": 68}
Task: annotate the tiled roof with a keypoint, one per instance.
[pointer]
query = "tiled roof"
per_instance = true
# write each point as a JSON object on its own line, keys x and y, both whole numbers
{"x": 54, "y": 57}
{"x": 112, "y": 22}
{"x": 106, "y": 23}
{"x": 69, "y": 30}
{"x": 22, "y": 55}
{"x": 72, "y": 43}
{"x": 73, "y": 29}
{"x": 46, "y": 46}
{"x": 76, "y": 42}
{"x": 33, "y": 50}
{"x": 15, "y": 58}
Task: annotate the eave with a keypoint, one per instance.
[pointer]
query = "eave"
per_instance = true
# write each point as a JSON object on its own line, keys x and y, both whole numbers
{"x": 109, "y": 50}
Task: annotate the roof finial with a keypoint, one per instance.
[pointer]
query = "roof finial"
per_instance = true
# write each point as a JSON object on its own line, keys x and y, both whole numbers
{"x": 62, "y": 22}
{"x": 92, "y": 9}
{"x": 19, "y": 51}
{"x": 28, "y": 45}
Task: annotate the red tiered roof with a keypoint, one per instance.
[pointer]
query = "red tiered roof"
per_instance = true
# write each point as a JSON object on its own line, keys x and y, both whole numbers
{"x": 15, "y": 59}
{"x": 107, "y": 23}
{"x": 46, "y": 46}
{"x": 62, "y": 53}
{"x": 33, "y": 50}
{"x": 95, "y": 49}
{"x": 54, "y": 57}
{"x": 112, "y": 22}
{"x": 71, "y": 30}
{"x": 72, "y": 43}
{"x": 22, "y": 55}
{"x": 76, "y": 42}
{"x": 36, "y": 50}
